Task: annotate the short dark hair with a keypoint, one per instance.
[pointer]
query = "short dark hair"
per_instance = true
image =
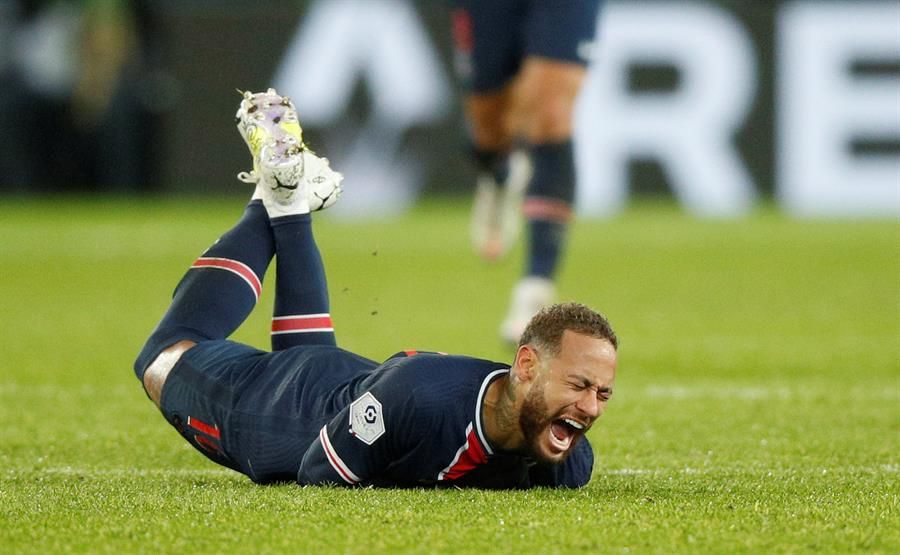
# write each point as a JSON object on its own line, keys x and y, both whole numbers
{"x": 545, "y": 330}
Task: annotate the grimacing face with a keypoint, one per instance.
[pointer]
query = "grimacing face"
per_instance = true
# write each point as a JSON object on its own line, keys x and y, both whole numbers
{"x": 569, "y": 392}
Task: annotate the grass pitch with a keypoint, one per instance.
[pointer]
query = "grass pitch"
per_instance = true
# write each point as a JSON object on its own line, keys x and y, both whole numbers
{"x": 756, "y": 408}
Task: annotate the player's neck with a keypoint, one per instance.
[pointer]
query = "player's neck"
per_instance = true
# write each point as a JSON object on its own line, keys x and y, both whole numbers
{"x": 500, "y": 412}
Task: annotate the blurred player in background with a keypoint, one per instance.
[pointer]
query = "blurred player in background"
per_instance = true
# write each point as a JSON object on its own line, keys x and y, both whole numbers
{"x": 523, "y": 63}
{"x": 75, "y": 87}
{"x": 312, "y": 412}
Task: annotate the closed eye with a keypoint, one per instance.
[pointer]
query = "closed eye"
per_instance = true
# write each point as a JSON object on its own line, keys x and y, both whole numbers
{"x": 603, "y": 393}
{"x": 578, "y": 386}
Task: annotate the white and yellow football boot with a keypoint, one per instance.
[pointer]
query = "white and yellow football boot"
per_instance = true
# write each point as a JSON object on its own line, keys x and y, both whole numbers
{"x": 289, "y": 177}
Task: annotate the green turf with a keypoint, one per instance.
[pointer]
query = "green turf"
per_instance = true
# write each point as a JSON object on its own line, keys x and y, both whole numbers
{"x": 757, "y": 407}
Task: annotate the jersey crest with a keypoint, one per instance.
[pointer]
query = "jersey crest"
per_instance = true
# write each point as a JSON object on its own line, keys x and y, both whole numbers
{"x": 366, "y": 418}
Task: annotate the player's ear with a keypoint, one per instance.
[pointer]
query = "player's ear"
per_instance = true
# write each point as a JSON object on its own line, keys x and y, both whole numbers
{"x": 526, "y": 365}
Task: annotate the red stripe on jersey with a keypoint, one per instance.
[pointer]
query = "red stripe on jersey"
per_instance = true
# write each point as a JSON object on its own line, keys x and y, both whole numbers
{"x": 200, "y": 426}
{"x": 469, "y": 456}
{"x": 336, "y": 463}
{"x": 302, "y": 323}
{"x": 233, "y": 266}
{"x": 207, "y": 444}
{"x": 538, "y": 208}
{"x": 411, "y": 353}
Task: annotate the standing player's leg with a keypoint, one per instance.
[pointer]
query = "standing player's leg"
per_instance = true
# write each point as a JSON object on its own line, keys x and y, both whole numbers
{"x": 489, "y": 53}
{"x": 542, "y": 107}
{"x": 544, "y": 100}
{"x": 503, "y": 172}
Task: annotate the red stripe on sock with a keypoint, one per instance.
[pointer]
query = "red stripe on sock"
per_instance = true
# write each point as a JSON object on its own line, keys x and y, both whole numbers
{"x": 303, "y": 323}
{"x": 537, "y": 208}
{"x": 235, "y": 267}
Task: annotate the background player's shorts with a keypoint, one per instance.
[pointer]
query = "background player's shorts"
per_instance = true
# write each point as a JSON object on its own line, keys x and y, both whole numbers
{"x": 493, "y": 37}
{"x": 254, "y": 411}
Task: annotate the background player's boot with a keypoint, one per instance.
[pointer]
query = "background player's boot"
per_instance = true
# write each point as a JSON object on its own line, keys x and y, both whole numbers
{"x": 496, "y": 212}
{"x": 269, "y": 121}
{"x": 484, "y": 226}
{"x": 528, "y": 296}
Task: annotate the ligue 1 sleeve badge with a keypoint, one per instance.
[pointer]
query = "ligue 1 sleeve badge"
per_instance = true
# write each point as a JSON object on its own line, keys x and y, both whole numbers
{"x": 366, "y": 419}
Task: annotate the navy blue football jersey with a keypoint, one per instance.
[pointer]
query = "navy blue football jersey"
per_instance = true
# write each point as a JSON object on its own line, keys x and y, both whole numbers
{"x": 417, "y": 421}
{"x": 320, "y": 414}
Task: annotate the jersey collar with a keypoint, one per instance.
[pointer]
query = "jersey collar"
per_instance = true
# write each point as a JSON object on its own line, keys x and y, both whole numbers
{"x": 479, "y": 408}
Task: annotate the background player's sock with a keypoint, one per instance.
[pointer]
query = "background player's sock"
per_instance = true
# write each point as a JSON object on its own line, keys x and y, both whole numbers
{"x": 493, "y": 163}
{"x": 545, "y": 245}
{"x": 219, "y": 290}
{"x": 548, "y": 206}
{"x": 301, "y": 315}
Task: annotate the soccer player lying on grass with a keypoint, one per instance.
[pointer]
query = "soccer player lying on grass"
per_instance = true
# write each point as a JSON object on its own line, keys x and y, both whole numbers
{"x": 312, "y": 412}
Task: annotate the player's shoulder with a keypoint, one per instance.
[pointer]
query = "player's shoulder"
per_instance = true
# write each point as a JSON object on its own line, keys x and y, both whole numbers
{"x": 434, "y": 365}
{"x": 439, "y": 378}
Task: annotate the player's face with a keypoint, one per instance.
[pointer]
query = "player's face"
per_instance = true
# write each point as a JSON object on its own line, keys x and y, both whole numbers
{"x": 569, "y": 393}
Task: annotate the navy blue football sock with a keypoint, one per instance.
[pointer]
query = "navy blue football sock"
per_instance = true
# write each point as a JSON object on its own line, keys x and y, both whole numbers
{"x": 219, "y": 290}
{"x": 301, "y": 315}
{"x": 546, "y": 242}
{"x": 548, "y": 206}
{"x": 492, "y": 162}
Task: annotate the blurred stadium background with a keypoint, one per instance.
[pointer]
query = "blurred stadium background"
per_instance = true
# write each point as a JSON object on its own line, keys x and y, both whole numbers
{"x": 719, "y": 104}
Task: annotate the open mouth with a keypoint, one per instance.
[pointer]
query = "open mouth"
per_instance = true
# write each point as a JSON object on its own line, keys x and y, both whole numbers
{"x": 563, "y": 431}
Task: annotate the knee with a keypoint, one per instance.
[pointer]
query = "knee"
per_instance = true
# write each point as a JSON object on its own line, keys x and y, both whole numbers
{"x": 548, "y": 118}
{"x": 154, "y": 377}
{"x": 162, "y": 338}
{"x": 490, "y": 135}
{"x": 488, "y": 118}
{"x": 544, "y": 100}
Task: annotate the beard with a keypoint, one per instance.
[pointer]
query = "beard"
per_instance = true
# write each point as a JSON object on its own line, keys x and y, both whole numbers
{"x": 534, "y": 421}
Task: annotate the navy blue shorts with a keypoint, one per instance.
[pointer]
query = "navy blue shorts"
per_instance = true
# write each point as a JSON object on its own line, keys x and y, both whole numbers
{"x": 493, "y": 37}
{"x": 258, "y": 412}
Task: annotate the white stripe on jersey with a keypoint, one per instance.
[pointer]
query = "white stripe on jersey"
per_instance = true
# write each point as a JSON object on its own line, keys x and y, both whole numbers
{"x": 478, "y": 426}
{"x": 335, "y": 460}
